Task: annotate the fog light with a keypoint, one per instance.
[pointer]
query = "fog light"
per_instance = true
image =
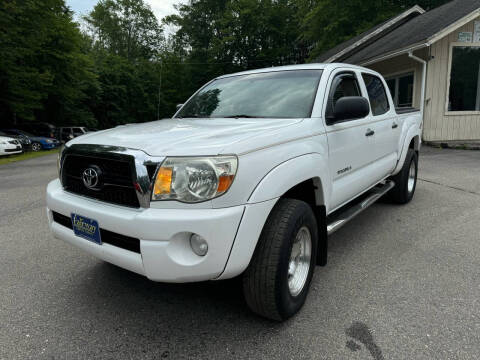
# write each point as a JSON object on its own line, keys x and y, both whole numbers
{"x": 199, "y": 245}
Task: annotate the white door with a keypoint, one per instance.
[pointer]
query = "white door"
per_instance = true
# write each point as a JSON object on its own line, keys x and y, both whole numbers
{"x": 385, "y": 125}
{"x": 350, "y": 142}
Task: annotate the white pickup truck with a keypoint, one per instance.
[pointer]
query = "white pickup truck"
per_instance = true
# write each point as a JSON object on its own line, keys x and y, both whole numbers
{"x": 249, "y": 178}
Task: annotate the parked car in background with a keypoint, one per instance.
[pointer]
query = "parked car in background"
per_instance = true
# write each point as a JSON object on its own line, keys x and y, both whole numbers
{"x": 9, "y": 146}
{"x": 39, "y": 129}
{"x": 66, "y": 133}
{"x": 24, "y": 140}
{"x": 38, "y": 142}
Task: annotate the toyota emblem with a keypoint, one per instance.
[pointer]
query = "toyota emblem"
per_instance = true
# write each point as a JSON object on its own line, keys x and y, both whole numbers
{"x": 91, "y": 178}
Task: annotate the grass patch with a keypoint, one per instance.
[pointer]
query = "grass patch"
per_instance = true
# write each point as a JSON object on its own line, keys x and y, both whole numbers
{"x": 6, "y": 159}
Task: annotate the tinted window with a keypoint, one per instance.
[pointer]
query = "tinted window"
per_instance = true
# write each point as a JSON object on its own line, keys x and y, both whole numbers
{"x": 464, "y": 92}
{"x": 343, "y": 85}
{"x": 377, "y": 94}
{"x": 281, "y": 94}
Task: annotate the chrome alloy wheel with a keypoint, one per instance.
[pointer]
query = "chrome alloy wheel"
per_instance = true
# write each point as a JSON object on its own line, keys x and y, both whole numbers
{"x": 299, "y": 264}
{"x": 36, "y": 147}
{"x": 411, "y": 177}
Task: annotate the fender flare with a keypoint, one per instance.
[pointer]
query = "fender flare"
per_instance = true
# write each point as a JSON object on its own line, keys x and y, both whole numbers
{"x": 411, "y": 133}
{"x": 290, "y": 173}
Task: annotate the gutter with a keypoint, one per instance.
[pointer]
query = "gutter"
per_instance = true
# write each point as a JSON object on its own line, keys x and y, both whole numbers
{"x": 424, "y": 80}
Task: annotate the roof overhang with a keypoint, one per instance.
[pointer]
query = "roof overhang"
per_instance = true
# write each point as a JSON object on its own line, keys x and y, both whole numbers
{"x": 393, "y": 21}
{"x": 426, "y": 43}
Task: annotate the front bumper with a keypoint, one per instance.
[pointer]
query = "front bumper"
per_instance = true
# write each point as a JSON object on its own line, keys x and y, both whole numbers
{"x": 49, "y": 146}
{"x": 165, "y": 252}
{"x": 10, "y": 149}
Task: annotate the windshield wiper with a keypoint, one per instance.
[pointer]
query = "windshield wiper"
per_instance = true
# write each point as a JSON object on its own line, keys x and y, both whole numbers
{"x": 191, "y": 117}
{"x": 242, "y": 116}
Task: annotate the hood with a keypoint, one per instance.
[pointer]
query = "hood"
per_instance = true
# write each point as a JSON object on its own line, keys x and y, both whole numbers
{"x": 184, "y": 137}
{"x": 5, "y": 138}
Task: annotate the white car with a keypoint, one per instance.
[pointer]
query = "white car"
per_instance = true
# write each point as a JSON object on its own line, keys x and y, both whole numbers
{"x": 248, "y": 178}
{"x": 10, "y": 146}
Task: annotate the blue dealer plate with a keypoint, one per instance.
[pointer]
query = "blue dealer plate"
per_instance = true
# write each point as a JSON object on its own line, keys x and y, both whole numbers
{"x": 86, "y": 228}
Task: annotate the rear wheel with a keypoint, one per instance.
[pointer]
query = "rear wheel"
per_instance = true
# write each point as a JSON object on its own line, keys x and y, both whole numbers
{"x": 277, "y": 281}
{"x": 406, "y": 179}
{"x": 36, "y": 146}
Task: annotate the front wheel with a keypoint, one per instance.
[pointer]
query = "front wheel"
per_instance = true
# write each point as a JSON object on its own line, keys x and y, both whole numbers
{"x": 406, "y": 179}
{"x": 277, "y": 281}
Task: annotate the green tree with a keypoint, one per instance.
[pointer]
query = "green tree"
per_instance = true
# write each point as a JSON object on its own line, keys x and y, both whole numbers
{"x": 43, "y": 72}
{"x": 127, "y": 28}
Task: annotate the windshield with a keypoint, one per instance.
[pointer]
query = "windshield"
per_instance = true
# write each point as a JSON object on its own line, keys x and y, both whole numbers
{"x": 282, "y": 94}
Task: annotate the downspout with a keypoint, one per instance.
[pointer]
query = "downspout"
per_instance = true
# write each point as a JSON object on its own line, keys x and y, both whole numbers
{"x": 424, "y": 81}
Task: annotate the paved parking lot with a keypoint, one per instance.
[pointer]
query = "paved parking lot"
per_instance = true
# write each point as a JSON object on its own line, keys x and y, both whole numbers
{"x": 402, "y": 283}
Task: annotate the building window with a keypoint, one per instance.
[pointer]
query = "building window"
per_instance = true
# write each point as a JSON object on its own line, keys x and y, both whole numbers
{"x": 401, "y": 88}
{"x": 376, "y": 94}
{"x": 464, "y": 94}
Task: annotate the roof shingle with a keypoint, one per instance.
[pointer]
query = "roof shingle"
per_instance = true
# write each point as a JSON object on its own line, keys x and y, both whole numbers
{"x": 415, "y": 31}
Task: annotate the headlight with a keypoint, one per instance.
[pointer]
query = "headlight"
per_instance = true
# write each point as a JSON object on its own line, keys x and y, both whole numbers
{"x": 48, "y": 141}
{"x": 59, "y": 159}
{"x": 194, "y": 179}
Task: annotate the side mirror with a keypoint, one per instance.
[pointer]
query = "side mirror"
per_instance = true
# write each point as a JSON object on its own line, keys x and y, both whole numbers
{"x": 179, "y": 106}
{"x": 351, "y": 107}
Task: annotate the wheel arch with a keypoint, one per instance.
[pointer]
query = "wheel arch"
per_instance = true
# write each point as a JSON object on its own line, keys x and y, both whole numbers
{"x": 412, "y": 141}
{"x": 303, "y": 178}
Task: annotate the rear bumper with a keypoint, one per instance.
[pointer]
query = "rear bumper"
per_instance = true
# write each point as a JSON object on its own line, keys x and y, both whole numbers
{"x": 164, "y": 235}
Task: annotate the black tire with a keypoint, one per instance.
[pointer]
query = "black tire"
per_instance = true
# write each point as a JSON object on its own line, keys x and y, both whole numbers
{"x": 402, "y": 193}
{"x": 265, "y": 282}
{"x": 36, "y": 146}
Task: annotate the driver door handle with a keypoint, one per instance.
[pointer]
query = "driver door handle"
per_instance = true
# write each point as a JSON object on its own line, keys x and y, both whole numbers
{"x": 394, "y": 126}
{"x": 370, "y": 132}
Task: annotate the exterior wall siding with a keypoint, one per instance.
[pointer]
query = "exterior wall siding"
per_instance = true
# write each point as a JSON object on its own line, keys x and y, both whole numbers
{"x": 438, "y": 123}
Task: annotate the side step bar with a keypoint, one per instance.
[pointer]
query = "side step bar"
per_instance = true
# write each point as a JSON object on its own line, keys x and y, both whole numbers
{"x": 348, "y": 212}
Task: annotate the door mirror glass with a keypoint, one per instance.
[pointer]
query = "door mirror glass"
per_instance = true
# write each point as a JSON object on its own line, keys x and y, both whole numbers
{"x": 350, "y": 108}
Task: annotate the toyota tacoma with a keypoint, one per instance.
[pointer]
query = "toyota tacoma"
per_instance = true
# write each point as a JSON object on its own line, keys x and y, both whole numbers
{"x": 249, "y": 177}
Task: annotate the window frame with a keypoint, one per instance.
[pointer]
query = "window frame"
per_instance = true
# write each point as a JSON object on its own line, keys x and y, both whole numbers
{"x": 449, "y": 75}
{"x": 400, "y": 74}
{"x": 330, "y": 88}
{"x": 385, "y": 86}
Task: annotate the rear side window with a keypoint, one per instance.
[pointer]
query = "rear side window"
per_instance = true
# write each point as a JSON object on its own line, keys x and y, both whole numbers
{"x": 376, "y": 94}
{"x": 343, "y": 85}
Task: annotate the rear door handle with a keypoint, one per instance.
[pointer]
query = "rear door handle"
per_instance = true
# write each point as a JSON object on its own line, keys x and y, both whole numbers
{"x": 394, "y": 126}
{"x": 370, "y": 132}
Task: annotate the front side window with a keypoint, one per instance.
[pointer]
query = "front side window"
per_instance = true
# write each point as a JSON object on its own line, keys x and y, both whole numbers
{"x": 343, "y": 85}
{"x": 281, "y": 94}
{"x": 464, "y": 94}
{"x": 376, "y": 94}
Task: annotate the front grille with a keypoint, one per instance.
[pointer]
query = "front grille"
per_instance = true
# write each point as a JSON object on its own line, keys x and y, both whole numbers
{"x": 109, "y": 237}
{"x": 117, "y": 179}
